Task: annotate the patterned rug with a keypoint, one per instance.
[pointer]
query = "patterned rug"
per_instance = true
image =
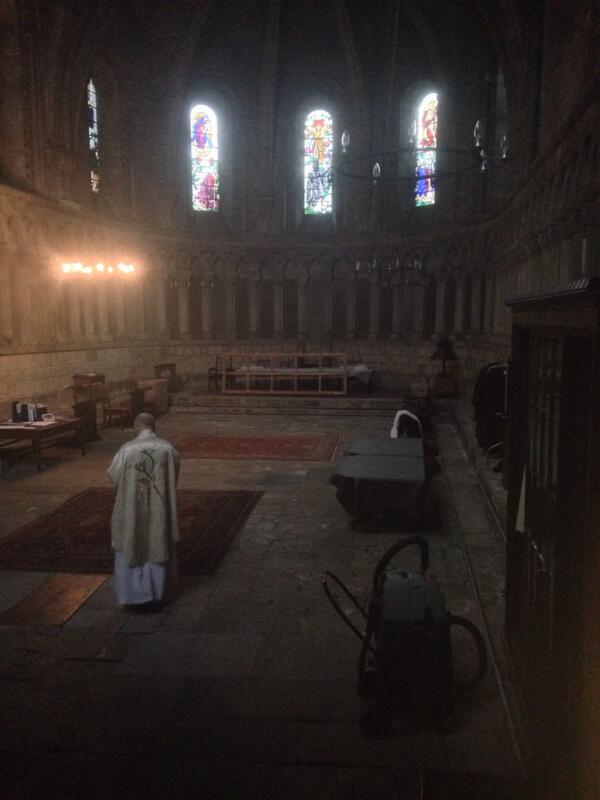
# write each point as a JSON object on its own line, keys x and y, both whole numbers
{"x": 310, "y": 447}
{"x": 76, "y": 536}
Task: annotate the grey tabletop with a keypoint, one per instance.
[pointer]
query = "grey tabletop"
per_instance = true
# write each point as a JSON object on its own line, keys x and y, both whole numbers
{"x": 382, "y": 468}
{"x": 382, "y": 446}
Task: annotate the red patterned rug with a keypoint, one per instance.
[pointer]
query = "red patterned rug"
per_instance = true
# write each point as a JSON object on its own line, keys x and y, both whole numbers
{"x": 76, "y": 536}
{"x": 309, "y": 447}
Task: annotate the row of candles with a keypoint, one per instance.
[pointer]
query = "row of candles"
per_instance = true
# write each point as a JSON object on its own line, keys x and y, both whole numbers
{"x": 78, "y": 266}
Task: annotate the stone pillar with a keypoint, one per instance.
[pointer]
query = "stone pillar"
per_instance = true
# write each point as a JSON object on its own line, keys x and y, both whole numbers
{"x": 418, "y": 295}
{"x": 84, "y": 291}
{"x": 139, "y": 293}
{"x": 206, "y": 294}
{"x": 183, "y": 297}
{"x": 350, "y": 309}
{"x": 373, "y": 306}
{"x": 74, "y": 300}
{"x": 302, "y": 307}
{"x": 253, "y": 284}
{"x": 120, "y": 299}
{"x": 278, "y": 310}
{"x": 459, "y": 302}
{"x": 440, "y": 303}
{"x": 476, "y": 304}
{"x": 398, "y": 314}
{"x": 103, "y": 292}
{"x": 230, "y": 291}
{"x": 159, "y": 324}
{"x": 488, "y": 318}
{"x": 328, "y": 308}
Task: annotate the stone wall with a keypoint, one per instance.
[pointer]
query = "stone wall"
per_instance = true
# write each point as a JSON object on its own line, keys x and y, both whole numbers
{"x": 259, "y": 276}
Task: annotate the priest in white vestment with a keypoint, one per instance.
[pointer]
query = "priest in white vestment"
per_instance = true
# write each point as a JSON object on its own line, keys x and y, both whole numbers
{"x": 144, "y": 522}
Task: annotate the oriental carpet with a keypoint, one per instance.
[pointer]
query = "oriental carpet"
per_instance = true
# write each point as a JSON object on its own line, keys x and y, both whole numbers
{"x": 308, "y": 447}
{"x": 75, "y": 537}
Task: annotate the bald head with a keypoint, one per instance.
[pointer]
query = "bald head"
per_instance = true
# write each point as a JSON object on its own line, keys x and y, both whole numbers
{"x": 144, "y": 422}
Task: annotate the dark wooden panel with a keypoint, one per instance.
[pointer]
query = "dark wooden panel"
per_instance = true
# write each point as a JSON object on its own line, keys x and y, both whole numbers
{"x": 55, "y": 601}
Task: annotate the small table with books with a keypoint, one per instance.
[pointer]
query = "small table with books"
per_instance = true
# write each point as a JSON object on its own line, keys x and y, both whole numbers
{"x": 41, "y": 434}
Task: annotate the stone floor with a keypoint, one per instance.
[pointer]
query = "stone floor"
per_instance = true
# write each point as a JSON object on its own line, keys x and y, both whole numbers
{"x": 244, "y": 687}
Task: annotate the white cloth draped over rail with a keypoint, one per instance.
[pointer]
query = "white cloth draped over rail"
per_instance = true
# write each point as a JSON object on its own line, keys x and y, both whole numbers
{"x": 406, "y": 424}
{"x": 144, "y": 522}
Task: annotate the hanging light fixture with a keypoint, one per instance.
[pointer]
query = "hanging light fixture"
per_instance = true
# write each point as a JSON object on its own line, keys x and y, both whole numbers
{"x": 345, "y": 141}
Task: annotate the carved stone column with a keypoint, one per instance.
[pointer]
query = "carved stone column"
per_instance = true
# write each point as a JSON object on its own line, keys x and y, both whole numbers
{"x": 417, "y": 295}
{"x": 103, "y": 299}
{"x": 398, "y": 314}
{"x": 350, "y": 309}
{"x": 328, "y": 308}
{"x": 488, "y": 318}
{"x": 206, "y": 302}
{"x": 74, "y": 302}
{"x": 159, "y": 325}
{"x": 459, "y": 302}
{"x": 373, "y": 306}
{"x": 302, "y": 307}
{"x": 440, "y": 303}
{"x": 253, "y": 284}
{"x": 278, "y": 309}
{"x": 183, "y": 297}
{"x": 120, "y": 297}
{"x": 476, "y": 304}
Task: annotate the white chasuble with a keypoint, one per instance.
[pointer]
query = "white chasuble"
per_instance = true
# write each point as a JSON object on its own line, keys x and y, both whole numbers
{"x": 144, "y": 523}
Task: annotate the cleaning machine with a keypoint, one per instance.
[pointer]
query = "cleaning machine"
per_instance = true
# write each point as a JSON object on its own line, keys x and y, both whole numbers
{"x": 405, "y": 668}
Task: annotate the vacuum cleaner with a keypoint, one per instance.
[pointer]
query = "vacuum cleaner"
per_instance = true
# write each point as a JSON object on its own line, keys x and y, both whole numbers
{"x": 405, "y": 667}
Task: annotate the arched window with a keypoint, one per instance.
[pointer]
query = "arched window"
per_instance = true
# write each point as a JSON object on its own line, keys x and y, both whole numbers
{"x": 318, "y": 159}
{"x": 205, "y": 159}
{"x": 426, "y": 142}
{"x": 93, "y": 137}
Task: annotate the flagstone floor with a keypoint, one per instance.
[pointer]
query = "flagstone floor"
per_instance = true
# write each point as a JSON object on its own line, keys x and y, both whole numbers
{"x": 244, "y": 687}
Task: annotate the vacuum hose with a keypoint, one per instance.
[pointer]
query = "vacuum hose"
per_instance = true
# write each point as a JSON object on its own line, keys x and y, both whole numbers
{"x": 462, "y": 622}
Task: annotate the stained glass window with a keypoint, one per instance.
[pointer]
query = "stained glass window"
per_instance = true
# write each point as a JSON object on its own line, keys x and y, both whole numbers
{"x": 318, "y": 158}
{"x": 426, "y": 130}
{"x": 93, "y": 138}
{"x": 205, "y": 159}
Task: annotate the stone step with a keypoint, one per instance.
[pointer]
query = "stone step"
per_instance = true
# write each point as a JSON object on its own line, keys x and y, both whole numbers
{"x": 261, "y": 404}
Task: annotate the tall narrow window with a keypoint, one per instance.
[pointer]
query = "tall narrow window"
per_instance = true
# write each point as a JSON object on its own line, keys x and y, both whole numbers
{"x": 318, "y": 159}
{"x": 93, "y": 138}
{"x": 205, "y": 159}
{"x": 426, "y": 141}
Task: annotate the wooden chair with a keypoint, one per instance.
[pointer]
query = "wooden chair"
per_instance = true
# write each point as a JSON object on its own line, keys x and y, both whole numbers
{"x": 125, "y": 411}
{"x": 214, "y": 374}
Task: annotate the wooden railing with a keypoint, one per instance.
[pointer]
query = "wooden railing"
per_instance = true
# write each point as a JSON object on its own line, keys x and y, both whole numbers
{"x": 284, "y": 373}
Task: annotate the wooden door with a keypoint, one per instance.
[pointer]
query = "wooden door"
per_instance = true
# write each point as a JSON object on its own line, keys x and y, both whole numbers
{"x": 531, "y": 550}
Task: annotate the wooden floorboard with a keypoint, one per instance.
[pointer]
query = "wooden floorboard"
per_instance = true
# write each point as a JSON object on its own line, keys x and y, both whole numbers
{"x": 54, "y": 601}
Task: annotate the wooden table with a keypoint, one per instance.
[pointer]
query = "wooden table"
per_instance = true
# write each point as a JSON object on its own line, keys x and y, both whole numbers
{"x": 41, "y": 436}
